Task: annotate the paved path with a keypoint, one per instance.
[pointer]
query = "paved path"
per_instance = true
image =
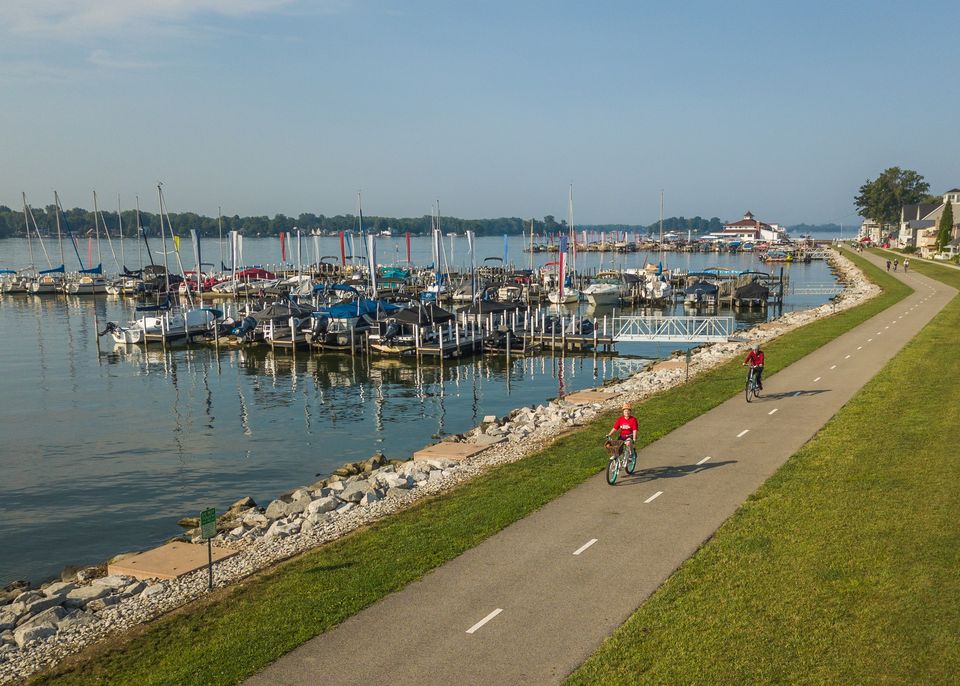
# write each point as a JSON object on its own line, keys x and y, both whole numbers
{"x": 530, "y": 604}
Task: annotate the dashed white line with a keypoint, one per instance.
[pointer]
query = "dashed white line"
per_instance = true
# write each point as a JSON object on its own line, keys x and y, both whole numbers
{"x": 653, "y": 497}
{"x": 859, "y": 347}
{"x": 847, "y": 357}
{"x": 773, "y": 411}
{"x": 869, "y": 340}
{"x": 833, "y": 367}
{"x": 584, "y": 546}
{"x": 743, "y": 433}
{"x": 817, "y": 379}
{"x": 704, "y": 460}
{"x": 484, "y": 620}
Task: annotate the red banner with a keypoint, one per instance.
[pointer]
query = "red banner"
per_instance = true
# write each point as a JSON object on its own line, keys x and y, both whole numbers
{"x": 343, "y": 251}
{"x": 408, "y": 248}
{"x": 283, "y": 248}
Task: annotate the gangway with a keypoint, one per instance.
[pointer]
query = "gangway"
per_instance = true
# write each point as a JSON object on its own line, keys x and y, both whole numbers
{"x": 643, "y": 329}
{"x": 817, "y": 289}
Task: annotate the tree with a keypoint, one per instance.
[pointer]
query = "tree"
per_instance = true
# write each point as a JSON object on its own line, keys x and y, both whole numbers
{"x": 945, "y": 227}
{"x": 882, "y": 198}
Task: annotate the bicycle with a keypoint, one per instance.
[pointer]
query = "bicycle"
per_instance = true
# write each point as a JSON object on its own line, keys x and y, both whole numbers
{"x": 624, "y": 457}
{"x": 752, "y": 389}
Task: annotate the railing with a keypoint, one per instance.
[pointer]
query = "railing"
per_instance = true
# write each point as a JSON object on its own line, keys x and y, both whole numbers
{"x": 672, "y": 329}
{"x": 817, "y": 289}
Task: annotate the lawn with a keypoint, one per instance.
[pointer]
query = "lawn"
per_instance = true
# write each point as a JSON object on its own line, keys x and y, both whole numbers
{"x": 841, "y": 568}
{"x": 239, "y": 630}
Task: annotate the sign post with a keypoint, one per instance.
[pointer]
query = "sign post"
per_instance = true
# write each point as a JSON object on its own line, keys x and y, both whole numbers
{"x": 208, "y": 529}
{"x": 687, "y": 355}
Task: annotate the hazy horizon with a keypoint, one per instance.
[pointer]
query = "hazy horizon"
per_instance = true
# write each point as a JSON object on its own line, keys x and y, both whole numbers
{"x": 288, "y": 106}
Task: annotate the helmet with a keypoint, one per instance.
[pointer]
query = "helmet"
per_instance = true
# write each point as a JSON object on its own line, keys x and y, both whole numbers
{"x": 756, "y": 347}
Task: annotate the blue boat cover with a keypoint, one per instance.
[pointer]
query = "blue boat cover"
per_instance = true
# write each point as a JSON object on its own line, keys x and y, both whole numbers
{"x": 93, "y": 270}
{"x": 55, "y": 270}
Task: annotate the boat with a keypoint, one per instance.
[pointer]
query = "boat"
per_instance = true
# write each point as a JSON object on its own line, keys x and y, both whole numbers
{"x": 403, "y": 331}
{"x": 164, "y": 327}
{"x": 753, "y": 294}
{"x": 89, "y": 282}
{"x": 607, "y": 289}
{"x": 701, "y": 293}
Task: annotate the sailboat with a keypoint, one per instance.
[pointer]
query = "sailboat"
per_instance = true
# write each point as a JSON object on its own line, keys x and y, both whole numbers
{"x": 51, "y": 280}
{"x": 565, "y": 294}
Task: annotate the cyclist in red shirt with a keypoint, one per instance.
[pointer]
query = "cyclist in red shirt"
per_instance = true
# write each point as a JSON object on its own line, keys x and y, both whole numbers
{"x": 755, "y": 360}
{"x": 626, "y": 425}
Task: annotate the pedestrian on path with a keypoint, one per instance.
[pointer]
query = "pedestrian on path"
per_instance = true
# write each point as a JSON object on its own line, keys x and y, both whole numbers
{"x": 888, "y": 265}
{"x": 896, "y": 263}
{"x": 906, "y": 264}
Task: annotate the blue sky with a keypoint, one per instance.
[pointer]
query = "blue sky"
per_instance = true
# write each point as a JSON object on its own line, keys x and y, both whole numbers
{"x": 266, "y": 106}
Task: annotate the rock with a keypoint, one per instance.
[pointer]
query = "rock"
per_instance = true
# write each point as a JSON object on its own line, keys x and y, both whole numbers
{"x": 27, "y": 597}
{"x": 152, "y": 590}
{"x": 76, "y": 618}
{"x": 318, "y": 518}
{"x": 396, "y": 481}
{"x": 114, "y": 581}
{"x": 336, "y": 486}
{"x": 89, "y": 573}
{"x": 355, "y": 491}
{"x": 322, "y": 505}
{"x": 25, "y": 635}
{"x": 435, "y": 475}
{"x": 102, "y": 603}
{"x": 237, "y": 532}
{"x": 242, "y": 504}
{"x": 132, "y": 589}
{"x": 8, "y": 620}
{"x": 51, "y": 615}
{"x": 346, "y": 507}
{"x": 6, "y": 638}
{"x": 301, "y": 500}
{"x": 276, "y": 510}
{"x": 369, "y": 498}
{"x": 58, "y": 589}
{"x": 189, "y": 522}
{"x": 37, "y": 606}
{"x": 255, "y": 519}
{"x": 79, "y": 597}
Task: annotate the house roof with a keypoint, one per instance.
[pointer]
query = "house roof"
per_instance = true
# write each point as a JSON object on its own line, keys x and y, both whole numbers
{"x": 748, "y": 222}
{"x": 952, "y": 190}
{"x": 918, "y": 210}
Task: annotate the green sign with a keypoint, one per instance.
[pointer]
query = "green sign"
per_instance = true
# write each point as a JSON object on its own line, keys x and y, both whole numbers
{"x": 208, "y": 523}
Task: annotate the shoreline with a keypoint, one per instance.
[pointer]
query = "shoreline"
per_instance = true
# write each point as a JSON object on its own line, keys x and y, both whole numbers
{"x": 292, "y": 535}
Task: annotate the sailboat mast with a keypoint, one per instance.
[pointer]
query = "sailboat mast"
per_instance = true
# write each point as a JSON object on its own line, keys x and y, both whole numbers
{"x": 220, "y": 234}
{"x": 26, "y": 222}
{"x": 120, "y": 225}
{"x": 661, "y": 220}
{"x": 96, "y": 227}
{"x": 531, "y": 245}
{"x": 163, "y": 239}
{"x": 56, "y": 213}
{"x": 573, "y": 234}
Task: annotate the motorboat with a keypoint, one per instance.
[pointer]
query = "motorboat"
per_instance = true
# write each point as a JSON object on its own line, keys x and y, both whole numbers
{"x": 165, "y": 326}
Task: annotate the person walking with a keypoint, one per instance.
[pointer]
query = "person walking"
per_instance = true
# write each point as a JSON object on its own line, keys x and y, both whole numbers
{"x": 888, "y": 265}
{"x": 906, "y": 264}
{"x": 896, "y": 263}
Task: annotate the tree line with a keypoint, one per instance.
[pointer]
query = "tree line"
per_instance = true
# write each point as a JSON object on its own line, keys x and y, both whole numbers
{"x": 80, "y": 222}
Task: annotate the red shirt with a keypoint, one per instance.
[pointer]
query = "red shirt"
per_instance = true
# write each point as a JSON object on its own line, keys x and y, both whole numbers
{"x": 626, "y": 426}
{"x": 755, "y": 358}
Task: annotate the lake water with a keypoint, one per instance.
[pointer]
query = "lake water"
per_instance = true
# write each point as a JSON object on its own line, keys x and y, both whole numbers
{"x": 103, "y": 453}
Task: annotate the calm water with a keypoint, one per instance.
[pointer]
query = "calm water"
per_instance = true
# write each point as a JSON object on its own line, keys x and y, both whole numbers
{"x": 103, "y": 453}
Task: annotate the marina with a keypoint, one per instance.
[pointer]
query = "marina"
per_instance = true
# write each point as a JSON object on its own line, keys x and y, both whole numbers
{"x": 212, "y": 419}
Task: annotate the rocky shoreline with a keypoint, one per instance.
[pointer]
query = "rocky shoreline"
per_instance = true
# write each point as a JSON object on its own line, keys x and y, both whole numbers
{"x": 40, "y": 627}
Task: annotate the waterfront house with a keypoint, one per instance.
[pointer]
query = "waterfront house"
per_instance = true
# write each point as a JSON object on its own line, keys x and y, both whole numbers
{"x": 925, "y": 227}
{"x": 912, "y": 222}
{"x": 751, "y": 230}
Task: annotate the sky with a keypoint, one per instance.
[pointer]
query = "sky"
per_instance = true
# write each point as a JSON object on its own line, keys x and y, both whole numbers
{"x": 491, "y": 108}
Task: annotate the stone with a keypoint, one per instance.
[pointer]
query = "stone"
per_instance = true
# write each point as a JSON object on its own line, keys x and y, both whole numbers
{"x": 8, "y": 620}
{"x": 102, "y": 603}
{"x": 76, "y": 618}
{"x": 41, "y": 604}
{"x": 189, "y": 522}
{"x": 114, "y": 581}
{"x": 152, "y": 590}
{"x": 276, "y": 510}
{"x": 322, "y": 505}
{"x": 369, "y": 498}
{"x": 79, "y": 597}
{"x": 490, "y": 419}
{"x": 346, "y": 507}
{"x": 242, "y": 504}
{"x": 25, "y": 635}
{"x": 58, "y": 589}
{"x": 301, "y": 500}
{"x": 318, "y": 518}
{"x": 132, "y": 589}
{"x": 435, "y": 475}
{"x": 255, "y": 519}
{"x": 6, "y": 638}
{"x": 89, "y": 573}
{"x": 237, "y": 532}
{"x": 336, "y": 486}
{"x": 27, "y": 597}
{"x": 51, "y": 615}
{"x": 355, "y": 491}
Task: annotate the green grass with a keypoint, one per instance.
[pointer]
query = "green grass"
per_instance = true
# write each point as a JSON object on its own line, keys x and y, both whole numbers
{"x": 243, "y": 628}
{"x": 841, "y": 568}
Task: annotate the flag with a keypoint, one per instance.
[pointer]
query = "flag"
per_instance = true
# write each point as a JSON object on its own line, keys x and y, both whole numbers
{"x": 372, "y": 262}
{"x": 473, "y": 264}
{"x": 506, "y": 250}
{"x": 176, "y": 243}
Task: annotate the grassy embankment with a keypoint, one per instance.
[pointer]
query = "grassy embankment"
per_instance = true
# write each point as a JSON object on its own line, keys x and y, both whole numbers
{"x": 245, "y": 627}
{"x": 842, "y": 567}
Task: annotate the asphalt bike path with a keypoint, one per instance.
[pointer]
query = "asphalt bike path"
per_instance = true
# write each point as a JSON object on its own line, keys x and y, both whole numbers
{"x": 531, "y": 603}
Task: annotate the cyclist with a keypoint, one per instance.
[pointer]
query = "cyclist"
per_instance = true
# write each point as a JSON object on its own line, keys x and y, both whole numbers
{"x": 626, "y": 426}
{"x": 755, "y": 360}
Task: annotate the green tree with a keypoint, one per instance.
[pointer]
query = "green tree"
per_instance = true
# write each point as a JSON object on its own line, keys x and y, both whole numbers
{"x": 945, "y": 227}
{"x": 882, "y": 198}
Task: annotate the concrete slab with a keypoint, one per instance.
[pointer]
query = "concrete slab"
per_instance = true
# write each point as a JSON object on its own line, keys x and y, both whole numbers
{"x": 451, "y": 451}
{"x": 169, "y": 561}
{"x": 591, "y": 396}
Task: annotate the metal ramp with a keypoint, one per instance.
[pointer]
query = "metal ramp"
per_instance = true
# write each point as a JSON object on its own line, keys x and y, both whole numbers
{"x": 640, "y": 329}
{"x": 817, "y": 289}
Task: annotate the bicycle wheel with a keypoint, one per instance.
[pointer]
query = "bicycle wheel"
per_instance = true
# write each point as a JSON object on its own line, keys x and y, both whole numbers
{"x": 613, "y": 470}
{"x": 632, "y": 460}
{"x": 749, "y": 390}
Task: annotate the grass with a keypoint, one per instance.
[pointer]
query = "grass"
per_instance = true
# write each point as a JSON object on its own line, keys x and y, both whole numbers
{"x": 841, "y": 568}
{"x": 245, "y": 627}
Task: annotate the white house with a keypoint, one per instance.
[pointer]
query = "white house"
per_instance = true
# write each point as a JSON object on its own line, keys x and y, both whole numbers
{"x": 752, "y": 230}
